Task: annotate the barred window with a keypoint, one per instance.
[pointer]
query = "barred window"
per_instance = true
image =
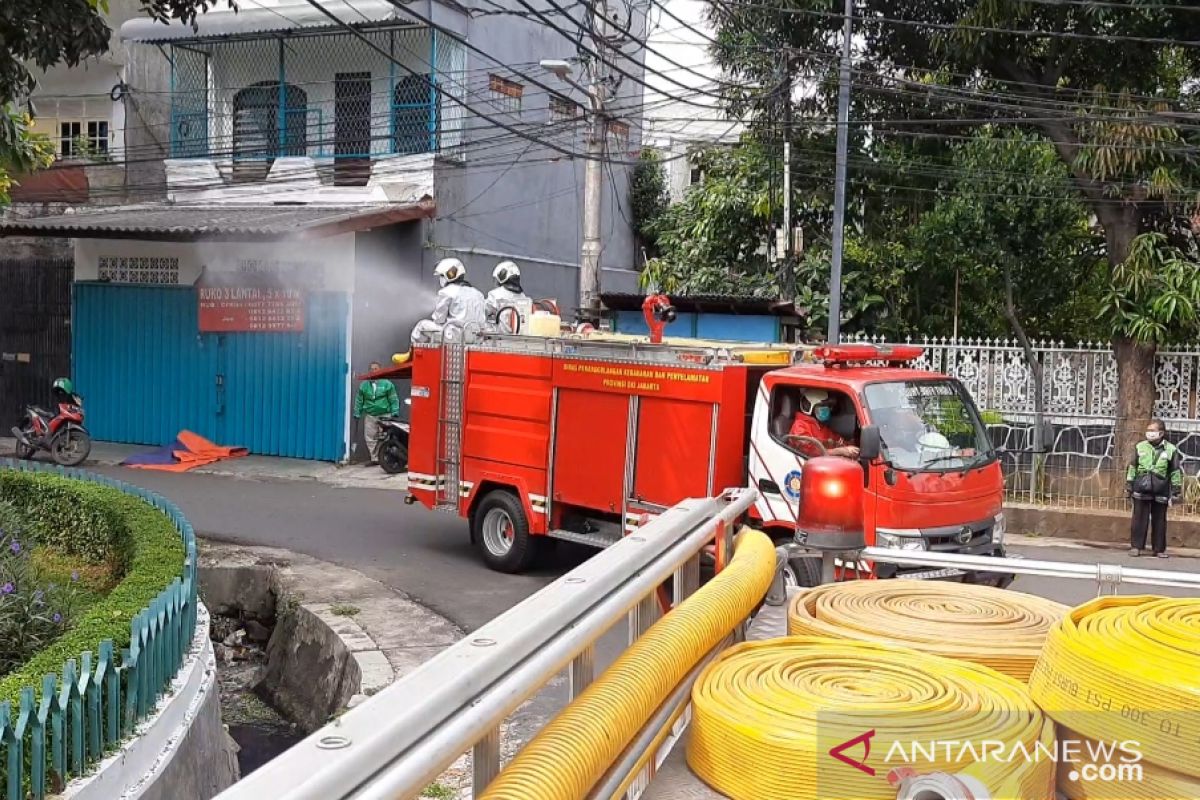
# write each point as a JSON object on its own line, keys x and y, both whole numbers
{"x": 505, "y": 94}
{"x": 139, "y": 269}
{"x": 562, "y": 109}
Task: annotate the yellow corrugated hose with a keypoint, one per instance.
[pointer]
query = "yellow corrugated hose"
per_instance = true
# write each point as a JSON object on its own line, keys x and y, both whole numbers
{"x": 1127, "y": 670}
{"x": 766, "y": 715}
{"x": 1000, "y": 629}
{"x": 571, "y": 753}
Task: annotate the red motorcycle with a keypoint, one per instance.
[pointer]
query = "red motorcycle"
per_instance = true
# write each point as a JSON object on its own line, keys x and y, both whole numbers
{"x": 61, "y": 433}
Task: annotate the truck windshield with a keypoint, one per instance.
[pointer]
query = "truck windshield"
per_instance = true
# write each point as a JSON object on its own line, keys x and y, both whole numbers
{"x": 928, "y": 425}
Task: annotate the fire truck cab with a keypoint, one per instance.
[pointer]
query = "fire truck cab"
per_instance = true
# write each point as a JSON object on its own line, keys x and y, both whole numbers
{"x": 584, "y": 438}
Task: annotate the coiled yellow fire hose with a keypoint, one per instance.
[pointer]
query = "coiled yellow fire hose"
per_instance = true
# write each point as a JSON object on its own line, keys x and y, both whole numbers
{"x": 1000, "y": 629}
{"x": 1127, "y": 670}
{"x": 766, "y": 715}
{"x": 571, "y": 753}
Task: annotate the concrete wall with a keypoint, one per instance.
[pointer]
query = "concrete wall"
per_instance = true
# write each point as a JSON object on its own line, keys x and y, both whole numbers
{"x": 506, "y": 199}
{"x": 327, "y": 263}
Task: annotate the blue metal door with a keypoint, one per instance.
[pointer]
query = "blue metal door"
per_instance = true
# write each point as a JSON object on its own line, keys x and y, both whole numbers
{"x": 146, "y": 373}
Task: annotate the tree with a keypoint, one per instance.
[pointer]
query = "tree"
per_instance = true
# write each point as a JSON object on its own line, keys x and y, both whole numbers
{"x": 714, "y": 241}
{"x": 648, "y": 199}
{"x": 1104, "y": 83}
{"x": 41, "y": 34}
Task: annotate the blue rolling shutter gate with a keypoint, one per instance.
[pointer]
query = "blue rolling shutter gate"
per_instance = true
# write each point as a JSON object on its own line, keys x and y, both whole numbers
{"x": 146, "y": 373}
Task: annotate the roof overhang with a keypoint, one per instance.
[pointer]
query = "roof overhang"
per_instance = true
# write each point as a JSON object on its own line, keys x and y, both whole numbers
{"x": 182, "y": 223}
{"x": 251, "y": 20}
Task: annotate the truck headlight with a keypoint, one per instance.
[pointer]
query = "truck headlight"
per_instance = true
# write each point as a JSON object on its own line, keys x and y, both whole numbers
{"x": 900, "y": 539}
{"x": 999, "y": 528}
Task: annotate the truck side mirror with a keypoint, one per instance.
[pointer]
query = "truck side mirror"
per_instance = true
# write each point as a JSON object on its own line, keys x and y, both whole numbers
{"x": 869, "y": 444}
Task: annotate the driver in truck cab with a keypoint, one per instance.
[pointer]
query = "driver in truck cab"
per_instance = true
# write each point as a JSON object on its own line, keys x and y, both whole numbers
{"x": 812, "y": 421}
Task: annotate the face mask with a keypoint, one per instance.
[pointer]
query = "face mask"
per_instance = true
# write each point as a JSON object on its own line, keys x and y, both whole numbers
{"x": 1153, "y": 436}
{"x": 823, "y": 413}
{"x": 442, "y": 281}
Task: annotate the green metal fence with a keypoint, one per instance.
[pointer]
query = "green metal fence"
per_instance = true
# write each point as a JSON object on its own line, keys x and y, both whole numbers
{"x": 85, "y": 712}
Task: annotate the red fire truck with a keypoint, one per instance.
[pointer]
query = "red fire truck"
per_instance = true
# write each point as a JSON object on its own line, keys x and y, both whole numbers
{"x": 584, "y": 438}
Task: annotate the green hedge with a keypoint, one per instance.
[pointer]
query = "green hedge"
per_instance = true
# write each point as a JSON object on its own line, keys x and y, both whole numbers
{"x": 75, "y": 517}
{"x": 156, "y": 555}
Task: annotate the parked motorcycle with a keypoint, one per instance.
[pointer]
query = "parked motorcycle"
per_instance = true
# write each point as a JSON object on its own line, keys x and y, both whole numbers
{"x": 59, "y": 433}
{"x": 393, "y": 450}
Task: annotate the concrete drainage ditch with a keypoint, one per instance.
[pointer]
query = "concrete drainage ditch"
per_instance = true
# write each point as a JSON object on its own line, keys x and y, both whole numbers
{"x": 298, "y": 640}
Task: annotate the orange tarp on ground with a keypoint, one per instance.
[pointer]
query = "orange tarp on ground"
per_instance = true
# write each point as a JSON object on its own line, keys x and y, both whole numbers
{"x": 188, "y": 451}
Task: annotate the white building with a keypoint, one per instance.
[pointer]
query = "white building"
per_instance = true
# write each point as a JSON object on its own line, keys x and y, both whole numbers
{"x": 679, "y": 67}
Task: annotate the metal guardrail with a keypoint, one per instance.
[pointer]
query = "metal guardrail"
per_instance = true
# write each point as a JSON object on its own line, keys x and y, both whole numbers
{"x": 1106, "y": 576}
{"x": 77, "y": 717}
{"x": 397, "y": 742}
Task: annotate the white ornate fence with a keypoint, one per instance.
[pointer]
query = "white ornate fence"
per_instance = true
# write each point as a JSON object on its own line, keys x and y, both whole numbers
{"x": 1080, "y": 397}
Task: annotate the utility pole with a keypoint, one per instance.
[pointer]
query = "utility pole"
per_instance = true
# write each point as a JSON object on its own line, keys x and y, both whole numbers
{"x": 839, "y": 189}
{"x": 593, "y": 172}
{"x": 788, "y": 282}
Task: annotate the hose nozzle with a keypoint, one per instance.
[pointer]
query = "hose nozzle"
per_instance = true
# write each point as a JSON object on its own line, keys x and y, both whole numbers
{"x": 935, "y": 786}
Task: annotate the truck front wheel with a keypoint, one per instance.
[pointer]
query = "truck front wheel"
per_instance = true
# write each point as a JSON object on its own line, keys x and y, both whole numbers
{"x": 802, "y": 572}
{"x": 502, "y": 532}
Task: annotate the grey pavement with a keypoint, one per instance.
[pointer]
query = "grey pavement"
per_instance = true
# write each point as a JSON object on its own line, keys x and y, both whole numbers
{"x": 250, "y": 467}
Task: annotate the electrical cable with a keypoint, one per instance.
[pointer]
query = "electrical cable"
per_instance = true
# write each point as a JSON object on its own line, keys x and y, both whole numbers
{"x": 766, "y": 716}
{"x": 997, "y": 628}
{"x": 958, "y": 27}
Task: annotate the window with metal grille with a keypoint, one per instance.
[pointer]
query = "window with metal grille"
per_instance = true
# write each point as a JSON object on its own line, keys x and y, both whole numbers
{"x": 505, "y": 94}
{"x": 263, "y": 129}
{"x": 413, "y": 122}
{"x": 139, "y": 269}
{"x": 562, "y": 109}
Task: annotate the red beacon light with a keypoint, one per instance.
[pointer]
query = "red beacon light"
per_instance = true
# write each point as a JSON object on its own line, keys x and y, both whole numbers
{"x": 831, "y": 504}
{"x": 894, "y": 355}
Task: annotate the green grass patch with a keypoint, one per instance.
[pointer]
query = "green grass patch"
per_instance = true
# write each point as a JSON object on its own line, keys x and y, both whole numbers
{"x": 154, "y": 557}
{"x": 439, "y": 791}
{"x": 344, "y": 610}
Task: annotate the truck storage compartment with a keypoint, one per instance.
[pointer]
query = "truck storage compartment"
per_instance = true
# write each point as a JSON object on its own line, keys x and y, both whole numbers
{"x": 674, "y": 443}
{"x": 589, "y": 454}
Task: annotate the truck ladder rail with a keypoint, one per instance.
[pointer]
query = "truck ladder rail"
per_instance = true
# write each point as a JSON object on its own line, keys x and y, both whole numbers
{"x": 449, "y": 459}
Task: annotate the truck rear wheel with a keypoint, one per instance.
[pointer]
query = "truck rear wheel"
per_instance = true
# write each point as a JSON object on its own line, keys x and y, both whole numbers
{"x": 502, "y": 532}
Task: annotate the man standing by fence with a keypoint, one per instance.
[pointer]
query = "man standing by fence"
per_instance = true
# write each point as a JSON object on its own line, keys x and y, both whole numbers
{"x": 1153, "y": 480}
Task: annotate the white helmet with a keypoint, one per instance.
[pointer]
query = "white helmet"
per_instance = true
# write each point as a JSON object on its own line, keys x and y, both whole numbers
{"x": 449, "y": 270}
{"x": 505, "y": 271}
{"x": 813, "y": 397}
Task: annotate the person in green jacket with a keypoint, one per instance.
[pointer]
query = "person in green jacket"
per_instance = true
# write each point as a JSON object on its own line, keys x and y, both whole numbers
{"x": 1154, "y": 479}
{"x": 375, "y": 399}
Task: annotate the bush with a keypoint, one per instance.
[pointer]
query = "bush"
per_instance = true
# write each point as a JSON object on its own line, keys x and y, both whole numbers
{"x": 156, "y": 558}
{"x": 74, "y": 517}
{"x": 33, "y": 612}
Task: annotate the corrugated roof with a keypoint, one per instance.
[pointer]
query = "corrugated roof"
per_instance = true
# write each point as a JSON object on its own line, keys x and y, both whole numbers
{"x": 259, "y": 19}
{"x": 728, "y": 304}
{"x": 216, "y": 223}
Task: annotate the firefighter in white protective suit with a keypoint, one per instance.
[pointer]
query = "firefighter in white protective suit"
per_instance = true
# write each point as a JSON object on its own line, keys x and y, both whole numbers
{"x": 507, "y": 294}
{"x": 460, "y": 306}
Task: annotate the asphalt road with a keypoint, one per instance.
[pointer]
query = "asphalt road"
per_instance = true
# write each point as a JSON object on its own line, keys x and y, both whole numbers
{"x": 428, "y": 555}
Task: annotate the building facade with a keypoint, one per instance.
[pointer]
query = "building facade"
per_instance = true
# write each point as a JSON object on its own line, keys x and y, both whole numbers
{"x": 408, "y": 134}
